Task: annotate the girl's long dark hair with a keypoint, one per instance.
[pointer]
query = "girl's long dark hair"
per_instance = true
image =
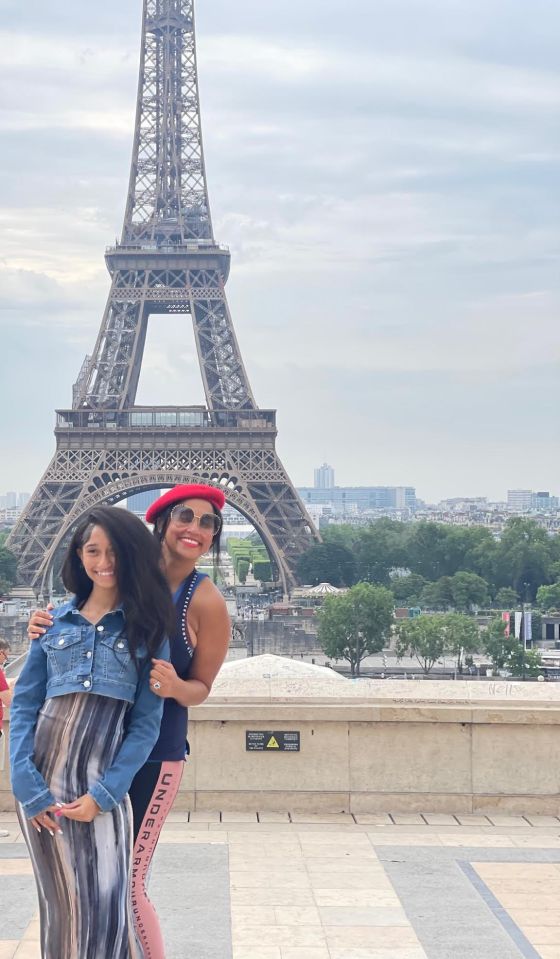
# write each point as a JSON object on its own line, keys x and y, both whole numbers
{"x": 143, "y": 589}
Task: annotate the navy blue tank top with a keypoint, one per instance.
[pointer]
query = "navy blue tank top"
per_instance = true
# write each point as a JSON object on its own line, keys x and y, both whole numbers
{"x": 172, "y": 744}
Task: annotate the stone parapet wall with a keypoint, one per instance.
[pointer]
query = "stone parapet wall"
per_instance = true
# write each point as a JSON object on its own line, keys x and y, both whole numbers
{"x": 371, "y": 746}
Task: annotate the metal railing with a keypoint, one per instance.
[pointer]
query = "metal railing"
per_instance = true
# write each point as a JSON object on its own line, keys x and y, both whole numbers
{"x": 166, "y": 418}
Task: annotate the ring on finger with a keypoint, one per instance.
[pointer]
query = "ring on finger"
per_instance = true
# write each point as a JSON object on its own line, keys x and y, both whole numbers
{"x": 157, "y": 685}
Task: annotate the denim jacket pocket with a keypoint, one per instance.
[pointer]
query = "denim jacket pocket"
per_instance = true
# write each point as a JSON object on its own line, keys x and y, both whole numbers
{"x": 63, "y": 651}
{"x": 116, "y": 658}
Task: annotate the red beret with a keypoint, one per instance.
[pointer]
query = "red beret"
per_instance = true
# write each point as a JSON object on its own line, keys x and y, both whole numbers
{"x": 179, "y": 494}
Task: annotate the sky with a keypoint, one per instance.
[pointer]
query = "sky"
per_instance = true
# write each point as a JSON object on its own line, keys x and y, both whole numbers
{"x": 386, "y": 175}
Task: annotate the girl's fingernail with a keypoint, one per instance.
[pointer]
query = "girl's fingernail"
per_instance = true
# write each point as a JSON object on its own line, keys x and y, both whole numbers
{"x": 38, "y": 828}
{"x": 58, "y": 813}
{"x": 51, "y": 832}
{"x": 59, "y": 804}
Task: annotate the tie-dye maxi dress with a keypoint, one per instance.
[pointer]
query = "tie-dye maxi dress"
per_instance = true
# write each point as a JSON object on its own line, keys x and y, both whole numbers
{"x": 83, "y": 876}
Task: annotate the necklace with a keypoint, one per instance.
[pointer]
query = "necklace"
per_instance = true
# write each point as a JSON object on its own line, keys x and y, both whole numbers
{"x": 186, "y": 602}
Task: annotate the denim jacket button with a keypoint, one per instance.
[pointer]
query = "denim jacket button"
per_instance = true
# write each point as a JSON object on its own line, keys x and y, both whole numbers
{"x": 120, "y": 645}
{"x": 100, "y": 629}
{"x": 87, "y": 684}
{"x": 88, "y": 654}
{"x": 61, "y": 642}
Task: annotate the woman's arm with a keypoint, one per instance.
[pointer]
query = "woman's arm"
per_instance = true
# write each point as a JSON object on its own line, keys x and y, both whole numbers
{"x": 29, "y": 695}
{"x": 142, "y": 731}
{"x": 5, "y": 690}
{"x": 212, "y": 626}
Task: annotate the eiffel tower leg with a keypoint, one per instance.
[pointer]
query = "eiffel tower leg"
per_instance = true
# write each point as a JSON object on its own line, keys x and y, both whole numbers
{"x": 44, "y": 517}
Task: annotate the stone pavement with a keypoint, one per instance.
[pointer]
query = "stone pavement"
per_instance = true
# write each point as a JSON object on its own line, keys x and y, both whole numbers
{"x": 273, "y": 886}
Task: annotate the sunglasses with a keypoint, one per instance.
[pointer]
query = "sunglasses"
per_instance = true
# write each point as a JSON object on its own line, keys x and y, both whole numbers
{"x": 184, "y": 516}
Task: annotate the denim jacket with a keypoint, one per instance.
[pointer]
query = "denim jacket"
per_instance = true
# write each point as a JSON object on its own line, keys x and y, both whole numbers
{"x": 74, "y": 656}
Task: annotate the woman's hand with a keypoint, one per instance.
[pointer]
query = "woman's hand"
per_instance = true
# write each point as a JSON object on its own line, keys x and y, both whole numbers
{"x": 44, "y": 821}
{"x": 84, "y": 809}
{"x": 163, "y": 679}
{"x": 39, "y": 622}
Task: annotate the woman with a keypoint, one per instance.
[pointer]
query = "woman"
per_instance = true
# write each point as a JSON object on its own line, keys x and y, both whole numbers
{"x": 187, "y": 521}
{"x": 83, "y": 720}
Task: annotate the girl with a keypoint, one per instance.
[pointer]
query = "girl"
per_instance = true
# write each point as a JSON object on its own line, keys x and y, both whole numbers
{"x": 188, "y": 523}
{"x": 83, "y": 720}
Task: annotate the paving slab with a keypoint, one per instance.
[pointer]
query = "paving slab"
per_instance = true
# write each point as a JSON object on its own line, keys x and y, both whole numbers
{"x": 332, "y": 887}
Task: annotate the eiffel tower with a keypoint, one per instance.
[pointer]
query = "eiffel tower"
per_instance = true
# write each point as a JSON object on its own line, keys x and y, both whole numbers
{"x": 167, "y": 262}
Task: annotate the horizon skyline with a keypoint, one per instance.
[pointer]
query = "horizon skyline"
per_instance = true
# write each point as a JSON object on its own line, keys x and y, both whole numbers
{"x": 423, "y": 499}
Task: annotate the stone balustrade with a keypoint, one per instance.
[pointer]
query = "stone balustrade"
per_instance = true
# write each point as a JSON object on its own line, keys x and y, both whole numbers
{"x": 370, "y": 745}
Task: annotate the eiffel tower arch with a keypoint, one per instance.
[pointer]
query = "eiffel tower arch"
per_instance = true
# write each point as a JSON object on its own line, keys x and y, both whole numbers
{"x": 166, "y": 262}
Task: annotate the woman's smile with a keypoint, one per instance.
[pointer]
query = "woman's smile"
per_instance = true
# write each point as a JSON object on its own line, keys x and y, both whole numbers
{"x": 189, "y": 541}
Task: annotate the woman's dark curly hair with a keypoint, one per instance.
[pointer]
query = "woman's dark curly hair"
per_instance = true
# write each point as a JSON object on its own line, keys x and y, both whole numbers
{"x": 143, "y": 589}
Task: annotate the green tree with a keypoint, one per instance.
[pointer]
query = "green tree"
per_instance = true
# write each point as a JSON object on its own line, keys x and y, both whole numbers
{"x": 427, "y": 638}
{"x": 380, "y": 548}
{"x": 468, "y": 590}
{"x": 262, "y": 570}
{"x": 429, "y": 551}
{"x": 462, "y": 636}
{"x": 242, "y": 569}
{"x": 477, "y": 552}
{"x": 342, "y": 534}
{"x": 424, "y": 638}
{"x": 525, "y": 662}
{"x": 496, "y": 644}
{"x": 356, "y": 624}
{"x": 407, "y": 590}
{"x": 8, "y": 566}
{"x": 327, "y": 563}
{"x": 548, "y": 597}
{"x": 507, "y": 652}
{"x": 506, "y": 598}
{"x": 438, "y": 595}
{"x": 524, "y": 558}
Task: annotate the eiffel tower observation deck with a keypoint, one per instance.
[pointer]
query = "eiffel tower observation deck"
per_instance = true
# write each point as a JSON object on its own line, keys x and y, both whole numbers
{"x": 167, "y": 262}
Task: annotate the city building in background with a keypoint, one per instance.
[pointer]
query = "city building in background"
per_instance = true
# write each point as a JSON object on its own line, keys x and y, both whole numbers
{"x": 141, "y": 502}
{"x": 12, "y": 505}
{"x": 519, "y": 500}
{"x": 324, "y": 477}
{"x": 358, "y": 502}
{"x": 544, "y": 501}
{"x": 525, "y": 501}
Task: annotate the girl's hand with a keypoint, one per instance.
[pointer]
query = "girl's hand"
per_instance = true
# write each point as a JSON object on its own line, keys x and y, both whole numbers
{"x": 163, "y": 679}
{"x": 84, "y": 809}
{"x": 39, "y": 622}
{"x": 44, "y": 821}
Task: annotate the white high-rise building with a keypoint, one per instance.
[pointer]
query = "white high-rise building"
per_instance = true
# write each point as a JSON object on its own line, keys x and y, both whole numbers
{"x": 519, "y": 500}
{"x": 324, "y": 477}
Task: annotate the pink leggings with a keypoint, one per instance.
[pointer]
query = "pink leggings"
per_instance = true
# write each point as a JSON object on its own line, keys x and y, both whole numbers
{"x": 159, "y": 805}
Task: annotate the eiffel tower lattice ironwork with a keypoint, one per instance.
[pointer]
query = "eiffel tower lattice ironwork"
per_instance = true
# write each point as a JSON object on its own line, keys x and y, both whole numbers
{"x": 167, "y": 261}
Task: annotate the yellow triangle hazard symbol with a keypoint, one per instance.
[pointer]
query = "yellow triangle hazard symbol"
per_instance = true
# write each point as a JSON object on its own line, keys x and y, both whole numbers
{"x": 272, "y": 744}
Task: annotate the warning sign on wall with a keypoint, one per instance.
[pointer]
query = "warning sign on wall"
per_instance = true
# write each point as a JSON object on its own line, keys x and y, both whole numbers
{"x": 271, "y": 741}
